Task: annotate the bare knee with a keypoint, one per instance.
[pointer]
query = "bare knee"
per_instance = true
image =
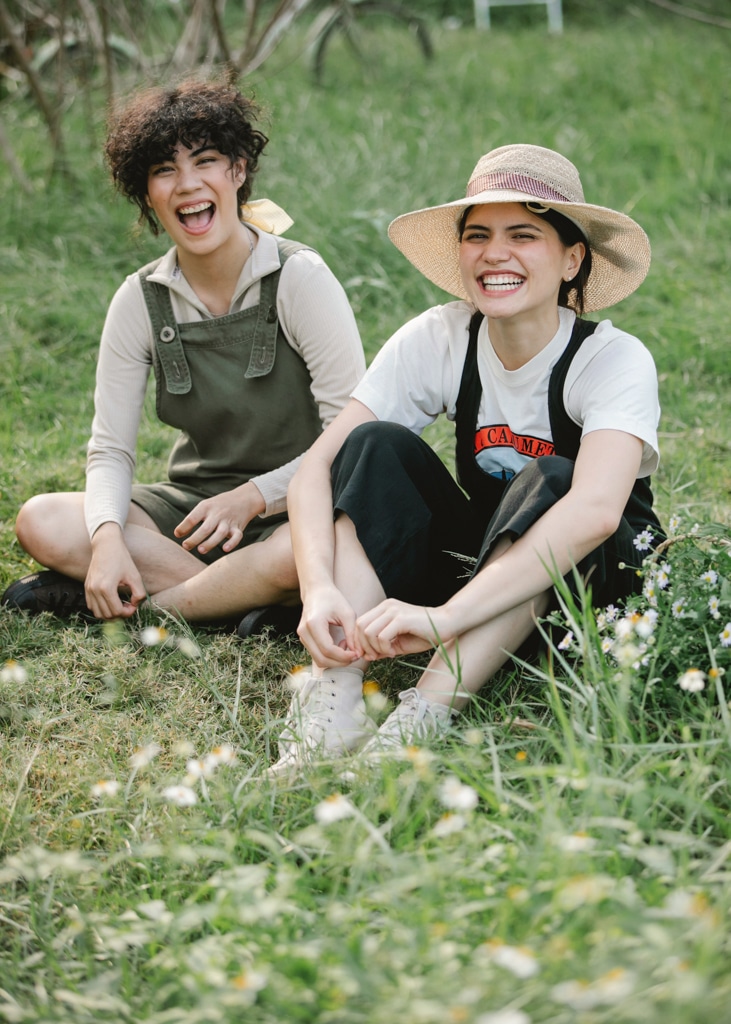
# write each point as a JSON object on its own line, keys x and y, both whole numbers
{"x": 48, "y": 525}
{"x": 281, "y": 568}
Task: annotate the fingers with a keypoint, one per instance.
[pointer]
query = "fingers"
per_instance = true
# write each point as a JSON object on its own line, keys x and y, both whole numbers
{"x": 328, "y": 633}
{"x": 393, "y": 628}
{"x": 210, "y": 534}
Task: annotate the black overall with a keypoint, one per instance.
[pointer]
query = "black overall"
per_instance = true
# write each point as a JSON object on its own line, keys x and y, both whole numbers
{"x": 240, "y": 396}
{"x": 425, "y": 538}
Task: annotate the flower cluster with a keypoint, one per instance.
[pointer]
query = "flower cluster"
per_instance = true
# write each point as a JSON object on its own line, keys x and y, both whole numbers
{"x": 677, "y": 629}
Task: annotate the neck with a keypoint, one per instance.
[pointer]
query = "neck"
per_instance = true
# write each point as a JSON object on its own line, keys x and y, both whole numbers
{"x": 516, "y": 340}
{"x": 214, "y": 276}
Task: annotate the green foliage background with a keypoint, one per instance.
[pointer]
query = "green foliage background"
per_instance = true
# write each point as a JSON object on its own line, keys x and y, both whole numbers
{"x": 601, "y": 838}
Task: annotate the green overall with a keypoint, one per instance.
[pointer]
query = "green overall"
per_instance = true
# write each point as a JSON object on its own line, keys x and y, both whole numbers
{"x": 240, "y": 396}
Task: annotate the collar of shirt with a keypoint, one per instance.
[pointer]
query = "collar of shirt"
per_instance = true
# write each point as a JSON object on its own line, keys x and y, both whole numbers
{"x": 264, "y": 260}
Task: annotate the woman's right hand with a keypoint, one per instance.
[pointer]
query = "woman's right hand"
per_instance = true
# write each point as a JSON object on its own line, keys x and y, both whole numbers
{"x": 113, "y": 584}
{"x": 327, "y": 628}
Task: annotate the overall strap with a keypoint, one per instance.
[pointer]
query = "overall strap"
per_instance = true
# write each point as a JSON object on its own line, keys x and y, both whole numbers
{"x": 168, "y": 343}
{"x": 264, "y": 349}
{"x": 468, "y": 406}
{"x": 565, "y": 433}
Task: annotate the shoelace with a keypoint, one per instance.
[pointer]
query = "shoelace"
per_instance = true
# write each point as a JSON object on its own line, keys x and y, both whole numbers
{"x": 314, "y": 705}
{"x": 411, "y": 720}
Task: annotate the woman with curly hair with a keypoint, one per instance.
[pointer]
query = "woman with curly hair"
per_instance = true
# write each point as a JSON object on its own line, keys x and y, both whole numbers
{"x": 254, "y": 348}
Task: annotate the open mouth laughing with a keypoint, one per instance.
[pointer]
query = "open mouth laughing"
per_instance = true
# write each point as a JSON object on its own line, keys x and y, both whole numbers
{"x": 196, "y": 216}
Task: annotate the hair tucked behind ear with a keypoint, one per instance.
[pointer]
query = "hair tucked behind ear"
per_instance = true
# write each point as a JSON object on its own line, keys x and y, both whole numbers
{"x": 149, "y": 127}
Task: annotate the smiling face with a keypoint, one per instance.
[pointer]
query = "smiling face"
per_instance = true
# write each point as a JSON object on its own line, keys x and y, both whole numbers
{"x": 512, "y": 263}
{"x": 194, "y": 197}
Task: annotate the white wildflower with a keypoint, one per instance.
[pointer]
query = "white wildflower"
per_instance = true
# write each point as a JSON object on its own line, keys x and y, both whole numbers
{"x": 710, "y": 576}
{"x": 189, "y": 647}
{"x": 144, "y": 755}
{"x": 152, "y": 636}
{"x": 182, "y": 796}
{"x": 725, "y": 635}
{"x": 578, "y": 842}
{"x": 714, "y": 606}
{"x": 333, "y": 808}
{"x": 674, "y": 524}
{"x": 567, "y": 641}
{"x": 224, "y": 753}
{"x": 456, "y": 796}
{"x": 643, "y": 540}
{"x": 693, "y": 680}
{"x": 678, "y": 608}
{"x": 508, "y": 1015}
{"x": 519, "y": 961}
{"x": 105, "y": 787}
{"x": 448, "y": 824}
{"x": 13, "y": 672}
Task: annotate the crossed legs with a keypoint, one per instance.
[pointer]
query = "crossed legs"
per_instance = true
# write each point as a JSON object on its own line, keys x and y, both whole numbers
{"x": 52, "y": 529}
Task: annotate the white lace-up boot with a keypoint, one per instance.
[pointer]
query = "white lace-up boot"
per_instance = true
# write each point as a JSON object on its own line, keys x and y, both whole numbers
{"x": 414, "y": 721}
{"x": 327, "y": 717}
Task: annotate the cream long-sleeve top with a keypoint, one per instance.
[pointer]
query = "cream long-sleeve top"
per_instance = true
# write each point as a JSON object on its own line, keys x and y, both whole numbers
{"x": 315, "y": 317}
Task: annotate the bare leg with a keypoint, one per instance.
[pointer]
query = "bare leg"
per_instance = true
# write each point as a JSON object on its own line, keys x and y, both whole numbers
{"x": 464, "y": 666}
{"x": 354, "y": 575}
{"x": 259, "y": 574}
{"x": 51, "y": 528}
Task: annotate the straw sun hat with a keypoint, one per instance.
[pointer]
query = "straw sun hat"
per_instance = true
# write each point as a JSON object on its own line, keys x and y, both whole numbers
{"x": 528, "y": 174}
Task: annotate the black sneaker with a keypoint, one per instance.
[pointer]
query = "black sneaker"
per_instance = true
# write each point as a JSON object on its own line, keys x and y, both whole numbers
{"x": 277, "y": 620}
{"x": 47, "y": 591}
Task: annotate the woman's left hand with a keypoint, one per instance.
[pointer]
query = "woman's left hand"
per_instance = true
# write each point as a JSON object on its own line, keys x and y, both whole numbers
{"x": 394, "y": 628}
{"x": 221, "y": 519}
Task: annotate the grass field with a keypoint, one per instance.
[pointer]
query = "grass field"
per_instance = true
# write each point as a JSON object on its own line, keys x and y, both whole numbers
{"x": 564, "y": 855}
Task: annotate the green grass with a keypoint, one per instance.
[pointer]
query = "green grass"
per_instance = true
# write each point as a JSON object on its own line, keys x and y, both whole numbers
{"x": 599, "y": 846}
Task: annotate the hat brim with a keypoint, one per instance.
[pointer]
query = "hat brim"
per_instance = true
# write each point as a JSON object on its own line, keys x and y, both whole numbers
{"x": 620, "y": 249}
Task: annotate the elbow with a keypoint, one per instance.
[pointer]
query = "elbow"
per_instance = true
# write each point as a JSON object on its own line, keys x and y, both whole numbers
{"x": 607, "y": 520}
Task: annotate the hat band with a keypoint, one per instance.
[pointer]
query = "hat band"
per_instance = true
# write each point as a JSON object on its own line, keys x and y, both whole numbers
{"x": 513, "y": 182}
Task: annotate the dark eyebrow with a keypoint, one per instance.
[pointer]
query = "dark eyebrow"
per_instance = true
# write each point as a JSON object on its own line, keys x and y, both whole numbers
{"x": 202, "y": 149}
{"x": 511, "y": 227}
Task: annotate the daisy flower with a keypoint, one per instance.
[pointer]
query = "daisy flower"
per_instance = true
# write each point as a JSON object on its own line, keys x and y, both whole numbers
{"x": 13, "y": 672}
{"x": 105, "y": 787}
{"x": 643, "y": 540}
{"x": 674, "y": 524}
{"x": 182, "y": 796}
{"x": 333, "y": 808}
{"x": 725, "y": 635}
{"x": 713, "y": 603}
{"x": 456, "y": 796}
{"x": 151, "y": 636}
{"x": 448, "y": 824}
{"x": 144, "y": 755}
{"x": 693, "y": 680}
{"x": 710, "y": 576}
{"x": 566, "y": 642}
{"x": 678, "y": 608}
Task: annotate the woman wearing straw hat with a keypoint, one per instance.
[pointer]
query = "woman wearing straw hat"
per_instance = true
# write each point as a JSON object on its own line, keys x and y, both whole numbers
{"x": 254, "y": 347}
{"x": 556, "y": 427}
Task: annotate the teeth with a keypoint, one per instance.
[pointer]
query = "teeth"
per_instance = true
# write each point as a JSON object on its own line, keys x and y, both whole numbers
{"x": 502, "y": 281}
{"x": 185, "y": 210}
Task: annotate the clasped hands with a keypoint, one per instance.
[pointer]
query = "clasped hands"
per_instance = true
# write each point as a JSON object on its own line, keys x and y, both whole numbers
{"x": 334, "y": 636}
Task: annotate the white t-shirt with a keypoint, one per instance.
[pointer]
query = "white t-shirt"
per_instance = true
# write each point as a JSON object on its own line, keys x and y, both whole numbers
{"x": 611, "y": 385}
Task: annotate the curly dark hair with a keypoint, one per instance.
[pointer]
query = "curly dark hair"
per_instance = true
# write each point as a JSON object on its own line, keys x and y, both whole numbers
{"x": 147, "y": 129}
{"x": 570, "y": 293}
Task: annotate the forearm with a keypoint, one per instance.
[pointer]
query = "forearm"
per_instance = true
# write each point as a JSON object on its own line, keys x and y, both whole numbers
{"x": 528, "y": 567}
{"x": 311, "y": 524}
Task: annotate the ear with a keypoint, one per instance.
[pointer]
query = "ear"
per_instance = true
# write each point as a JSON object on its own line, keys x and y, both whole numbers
{"x": 575, "y": 257}
{"x": 239, "y": 171}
